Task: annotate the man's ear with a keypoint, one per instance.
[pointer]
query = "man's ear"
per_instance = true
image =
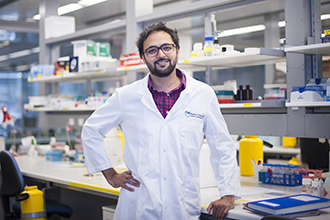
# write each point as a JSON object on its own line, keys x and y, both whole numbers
{"x": 143, "y": 59}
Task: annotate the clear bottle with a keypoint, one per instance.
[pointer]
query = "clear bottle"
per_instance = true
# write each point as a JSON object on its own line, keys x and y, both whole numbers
{"x": 216, "y": 50}
{"x": 327, "y": 186}
{"x": 197, "y": 50}
{"x": 306, "y": 186}
{"x": 315, "y": 190}
{"x": 208, "y": 46}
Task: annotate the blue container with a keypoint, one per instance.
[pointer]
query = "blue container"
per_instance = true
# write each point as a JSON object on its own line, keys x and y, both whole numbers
{"x": 55, "y": 155}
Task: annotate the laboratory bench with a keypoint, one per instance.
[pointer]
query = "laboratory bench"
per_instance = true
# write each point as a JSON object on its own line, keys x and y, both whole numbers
{"x": 89, "y": 194}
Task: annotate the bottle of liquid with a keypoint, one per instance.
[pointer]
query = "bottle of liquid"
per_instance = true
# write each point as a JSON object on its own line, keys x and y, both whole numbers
{"x": 33, "y": 150}
{"x": 197, "y": 50}
{"x": 306, "y": 186}
{"x": 315, "y": 191}
{"x": 247, "y": 93}
{"x": 239, "y": 94}
{"x": 208, "y": 46}
{"x": 327, "y": 187}
{"x": 216, "y": 50}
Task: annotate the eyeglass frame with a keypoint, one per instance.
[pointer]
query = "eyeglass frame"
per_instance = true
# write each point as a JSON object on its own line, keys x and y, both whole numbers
{"x": 159, "y": 48}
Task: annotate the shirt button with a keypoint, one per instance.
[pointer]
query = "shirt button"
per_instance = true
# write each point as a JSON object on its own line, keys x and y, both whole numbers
{"x": 165, "y": 207}
{"x": 164, "y": 150}
{"x": 168, "y": 94}
{"x": 164, "y": 178}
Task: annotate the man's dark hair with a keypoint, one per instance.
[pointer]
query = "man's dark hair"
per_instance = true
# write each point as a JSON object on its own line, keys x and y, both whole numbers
{"x": 160, "y": 26}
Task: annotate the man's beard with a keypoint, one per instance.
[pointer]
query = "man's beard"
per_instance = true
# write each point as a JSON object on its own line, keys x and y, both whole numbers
{"x": 161, "y": 72}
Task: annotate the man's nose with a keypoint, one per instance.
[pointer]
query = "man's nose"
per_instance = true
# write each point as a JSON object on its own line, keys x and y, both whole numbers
{"x": 161, "y": 53}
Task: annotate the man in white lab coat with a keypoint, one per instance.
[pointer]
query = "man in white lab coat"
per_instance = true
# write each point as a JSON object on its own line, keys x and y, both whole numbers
{"x": 164, "y": 118}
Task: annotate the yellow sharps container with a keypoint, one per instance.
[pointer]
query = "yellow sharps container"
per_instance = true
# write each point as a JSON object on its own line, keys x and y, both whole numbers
{"x": 250, "y": 148}
{"x": 32, "y": 206}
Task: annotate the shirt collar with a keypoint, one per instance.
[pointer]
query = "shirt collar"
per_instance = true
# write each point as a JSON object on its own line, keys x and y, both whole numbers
{"x": 179, "y": 74}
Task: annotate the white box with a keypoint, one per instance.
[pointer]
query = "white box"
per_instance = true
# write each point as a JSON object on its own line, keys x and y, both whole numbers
{"x": 57, "y": 26}
{"x": 83, "y": 48}
{"x": 306, "y": 96}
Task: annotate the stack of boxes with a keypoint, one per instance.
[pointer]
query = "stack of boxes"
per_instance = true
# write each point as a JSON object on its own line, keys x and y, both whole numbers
{"x": 90, "y": 56}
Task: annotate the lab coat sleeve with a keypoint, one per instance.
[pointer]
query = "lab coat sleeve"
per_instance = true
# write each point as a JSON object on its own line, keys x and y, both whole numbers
{"x": 95, "y": 128}
{"x": 222, "y": 151}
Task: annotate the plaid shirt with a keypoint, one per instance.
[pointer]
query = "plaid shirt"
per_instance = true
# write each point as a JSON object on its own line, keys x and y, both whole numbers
{"x": 165, "y": 101}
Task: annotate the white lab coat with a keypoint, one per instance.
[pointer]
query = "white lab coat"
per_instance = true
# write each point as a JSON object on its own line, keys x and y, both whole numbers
{"x": 163, "y": 154}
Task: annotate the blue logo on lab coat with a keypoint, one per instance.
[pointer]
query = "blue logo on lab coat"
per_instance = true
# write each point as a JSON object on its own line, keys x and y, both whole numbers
{"x": 193, "y": 115}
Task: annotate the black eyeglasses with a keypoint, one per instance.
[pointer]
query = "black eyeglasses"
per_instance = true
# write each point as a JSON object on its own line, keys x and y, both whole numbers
{"x": 153, "y": 50}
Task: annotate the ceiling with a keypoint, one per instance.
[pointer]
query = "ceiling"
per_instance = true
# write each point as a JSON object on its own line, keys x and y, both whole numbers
{"x": 18, "y": 31}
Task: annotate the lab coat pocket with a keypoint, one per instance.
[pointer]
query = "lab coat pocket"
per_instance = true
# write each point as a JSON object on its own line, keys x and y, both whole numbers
{"x": 192, "y": 201}
{"x": 192, "y": 133}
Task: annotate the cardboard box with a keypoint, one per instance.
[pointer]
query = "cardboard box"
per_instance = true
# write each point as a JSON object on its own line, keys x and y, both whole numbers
{"x": 103, "y": 49}
{"x": 84, "y": 48}
{"x": 57, "y": 26}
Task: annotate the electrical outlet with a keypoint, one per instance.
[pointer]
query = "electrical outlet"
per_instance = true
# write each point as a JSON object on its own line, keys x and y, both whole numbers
{"x": 80, "y": 121}
{"x": 71, "y": 121}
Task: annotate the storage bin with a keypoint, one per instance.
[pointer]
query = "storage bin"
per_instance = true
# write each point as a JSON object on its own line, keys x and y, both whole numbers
{"x": 54, "y": 155}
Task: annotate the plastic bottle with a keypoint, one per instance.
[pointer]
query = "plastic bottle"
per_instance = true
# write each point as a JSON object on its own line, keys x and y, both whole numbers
{"x": 315, "y": 188}
{"x": 250, "y": 148}
{"x": 32, "y": 150}
{"x": 327, "y": 98}
{"x": 239, "y": 94}
{"x": 247, "y": 93}
{"x": 208, "y": 46}
{"x": 321, "y": 188}
{"x": 216, "y": 50}
{"x": 327, "y": 186}
{"x": 197, "y": 50}
{"x": 306, "y": 186}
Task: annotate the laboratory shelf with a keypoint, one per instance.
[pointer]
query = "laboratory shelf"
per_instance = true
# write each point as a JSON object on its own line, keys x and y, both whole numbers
{"x": 51, "y": 109}
{"x": 322, "y": 49}
{"x": 238, "y": 59}
{"x": 255, "y": 104}
{"x": 76, "y": 76}
{"x": 307, "y": 104}
{"x": 140, "y": 67}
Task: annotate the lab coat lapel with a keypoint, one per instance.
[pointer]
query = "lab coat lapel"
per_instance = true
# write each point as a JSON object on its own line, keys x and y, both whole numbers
{"x": 146, "y": 96}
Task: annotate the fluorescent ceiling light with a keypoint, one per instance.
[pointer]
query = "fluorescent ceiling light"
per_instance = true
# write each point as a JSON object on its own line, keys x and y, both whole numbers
{"x": 73, "y": 7}
{"x": 243, "y": 30}
{"x": 68, "y": 8}
{"x": 36, "y": 17}
{"x": 86, "y": 3}
{"x": 19, "y": 54}
{"x": 3, "y": 57}
{"x": 35, "y": 50}
{"x": 281, "y": 23}
{"x": 325, "y": 16}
